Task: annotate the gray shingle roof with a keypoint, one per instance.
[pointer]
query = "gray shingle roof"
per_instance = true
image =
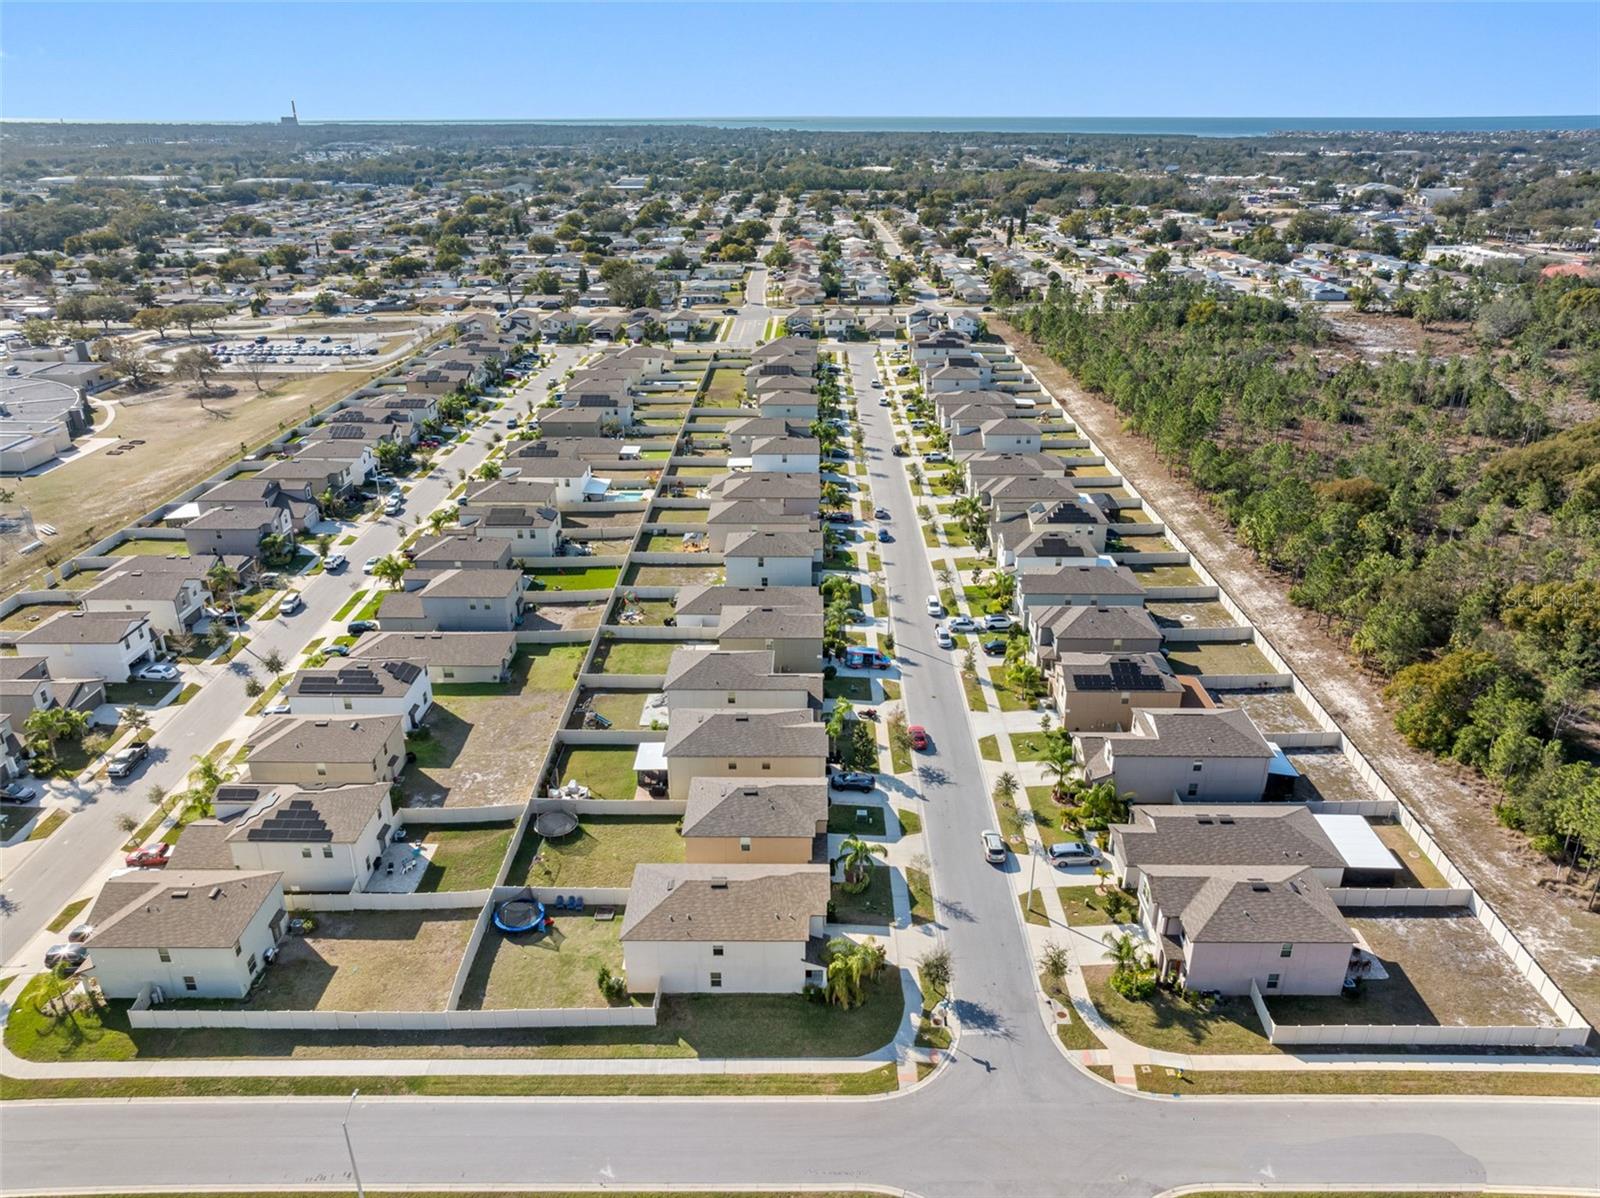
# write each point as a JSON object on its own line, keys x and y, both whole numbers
{"x": 440, "y": 648}
{"x": 707, "y": 600}
{"x": 1199, "y": 732}
{"x": 367, "y": 679}
{"x": 309, "y": 739}
{"x": 731, "y": 669}
{"x": 764, "y": 543}
{"x": 83, "y": 628}
{"x": 1189, "y": 835}
{"x": 697, "y": 733}
{"x": 178, "y": 909}
{"x": 742, "y": 903}
{"x": 727, "y": 807}
{"x": 1252, "y": 905}
{"x": 1081, "y": 580}
{"x": 337, "y": 815}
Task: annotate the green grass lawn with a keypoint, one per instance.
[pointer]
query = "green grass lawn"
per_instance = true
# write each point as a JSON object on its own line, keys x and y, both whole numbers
{"x": 607, "y": 770}
{"x": 558, "y": 578}
{"x": 1010, "y": 698}
{"x": 350, "y": 605}
{"x": 68, "y": 913}
{"x": 635, "y": 657}
{"x": 989, "y": 748}
{"x": 151, "y": 547}
{"x": 603, "y": 851}
{"x": 138, "y": 694}
{"x": 1033, "y": 908}
{"x": 1030, "y": 746}
{"x": 550, "y": 667}
{"x": 557, "y": 969}
{"x": 1158, "y": 1080}
{"x": 1048, "y": 816}
{"x": 842, "y": 818}
{"x": 1165, "y": 1023}
{"x": 899, "y": 758}
{"x": 874, "y": 905}
{"x": 974, "y": 691}
{"x": 856, "y": 689}
{"x": 1085, "y": 908}
{"x": 464, "y": 857}
{"x": 48, "y": 824}
{"x": 910, "y": 821}
{"x": 921, "y": 888}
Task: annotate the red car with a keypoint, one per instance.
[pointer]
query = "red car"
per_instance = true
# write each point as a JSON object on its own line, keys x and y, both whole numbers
{"x": 919, "y": 736}
{"x": 154, "y": 856}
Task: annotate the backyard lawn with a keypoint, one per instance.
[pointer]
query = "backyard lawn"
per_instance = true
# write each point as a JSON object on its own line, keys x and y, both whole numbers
{"x": 549, "y": 970}
{"x": 874, "y": 905}
{"x": 1229, "y": 657}
{"x": 607, "y": 770}
{"x": 464, "y": 857}
{"x": 603, "y": 851}
{"x": 635, "y": 657}
{"x": 560, "y": 578}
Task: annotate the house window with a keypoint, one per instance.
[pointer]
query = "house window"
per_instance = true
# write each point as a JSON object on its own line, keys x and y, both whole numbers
{"x": 190, "y": 984}
{"x": 733, "y": 765}
{"x": 164, "y": 955}
{"x": 348, "y": 705}
{"x": 449, "y": 673}
{"x": 1194, "y": 789}
{"x": 251, "y": 964}
{"x": 716, "y": 981}
{"x": 766, "y": 765}
{"x": 1197, "y": 766}
{"x": 327, "y": 850}
{"x": 236, "y": 949}
{"x": 744, "y": 844}
{"x": 761, "y": 561}
{"x": 1272, "y": 980}
{"x": 716, "y": 950}
{"x": 306, "y": 852}
{"x": 1286, "y": 951}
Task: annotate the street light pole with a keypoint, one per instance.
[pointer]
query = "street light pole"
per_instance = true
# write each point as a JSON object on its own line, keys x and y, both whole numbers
{"x": 350, "y": 1148}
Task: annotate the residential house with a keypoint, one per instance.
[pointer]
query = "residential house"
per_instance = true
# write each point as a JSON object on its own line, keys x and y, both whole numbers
{"x": 231, "y": 529}
{"x": 360, "y": 688}
{"x": 316, "y": 752}
{"x": 1082, "y": 628}
{"x": 108, "y": 646}
{"x": 1042, "y": 535}
{"x": 174, "y": 599}
{"x": 461, "y": 551}
{"x": 756, "y": 821}
{"x": 796, "y": 492}
{"x": 754, "y": 744}
{"x": 731, "y": 929}
{"x": 200, "y": 934}
{"x": 26, "y": 686}
{"x": 327, "y": 841}
{"x": 711, "y": 678}
{"x": 299, "y": 500}
{"x": 449, "y": 657}
{"x": 1094, "y": 586}
{"x": 456, "y": 601}
{"x": 1181, "y": 756}
{"x": 1100, "y": 693}
{"x": 771, "y": 558}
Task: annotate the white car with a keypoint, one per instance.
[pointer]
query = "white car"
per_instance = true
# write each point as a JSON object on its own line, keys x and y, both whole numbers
{"x": 935, "y": 607}
{"x": 291, "y": 605}
{"x": 962, "y": 624}
{"x": 334, "y": 562}
{"x": 159, "y": 672}
{"x": 935, "y": 455}
{"x": 370, "y": 564}
{"x": 946, "y": 641}
{"x": 276, "y": 709}
{"x": 997, "y": 623}
{"x": 994, "y": 849}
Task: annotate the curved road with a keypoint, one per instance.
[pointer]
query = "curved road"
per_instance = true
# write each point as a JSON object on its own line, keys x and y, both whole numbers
{"x": 1007, "y": 1116}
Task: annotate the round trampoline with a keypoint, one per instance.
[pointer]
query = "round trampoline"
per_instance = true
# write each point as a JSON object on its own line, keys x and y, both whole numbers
{"x": 521, "y": 914}
{"x": 554, "y": 824}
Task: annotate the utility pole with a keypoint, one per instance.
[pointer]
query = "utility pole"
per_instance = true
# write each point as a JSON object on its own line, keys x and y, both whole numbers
{"x": 350, "y": 1148}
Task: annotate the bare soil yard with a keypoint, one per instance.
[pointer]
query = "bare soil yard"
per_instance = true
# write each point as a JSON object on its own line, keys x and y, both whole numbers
{"x": 1456, "y": 805}
{"x": 368, "y": 961}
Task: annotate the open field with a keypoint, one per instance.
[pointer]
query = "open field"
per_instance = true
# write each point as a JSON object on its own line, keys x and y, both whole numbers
{"x": 92, "y": 497}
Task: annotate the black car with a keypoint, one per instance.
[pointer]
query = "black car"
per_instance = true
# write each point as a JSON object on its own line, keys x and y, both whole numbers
{"x": 995, "y": 648}
{"x": 124, "y": 761}
{"x": 730, "y": 311}
{"x": 357, "y": 627}
{"x": 837, "y": 517}
{"x": 852, "y": 780}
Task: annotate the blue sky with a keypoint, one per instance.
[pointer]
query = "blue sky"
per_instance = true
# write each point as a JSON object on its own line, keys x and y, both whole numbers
{"x": 242, "y": 61}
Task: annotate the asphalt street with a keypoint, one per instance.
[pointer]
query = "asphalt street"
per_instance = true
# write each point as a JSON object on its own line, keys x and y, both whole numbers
{"x": 1008, "y": 1116}
{"x": 44, "y": 877}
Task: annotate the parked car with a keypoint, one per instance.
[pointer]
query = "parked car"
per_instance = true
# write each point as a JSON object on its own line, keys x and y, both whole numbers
{"x": 962, "y": 624}
{"x": 336, "y": 650}
{"x": 70, "y": 955}
{"x": 880, "y": 513}
{"x": 935, "y": 455}
{"x": 291, "y": 605}
{"x": 152, "y": 856}
{"x": 995, "y": 647}
{"x": 885, "y": 536}
{"x": 124, "y": 761}
{"x": 161, "y": 671}
{"x": 935, "y": 606}
{"x": 838, "y": 517}
{"x": 367, "y": 567}
{"x": 919, "y": 737}
{"x": 946, "y": 641}
{"x": 1073, "y": 852}
{"x": 276, "y": 709}
{"x": 859, "y": 657}
{"x": 357, "y": 627}
{"x": 876, "y": 385}
{"x": 335, "y": 562}
{"x": 997, "y": 622}
{"x": 994, "y": 848}
{"x": 15, "y": 792}
{"x": 852, "y": 780}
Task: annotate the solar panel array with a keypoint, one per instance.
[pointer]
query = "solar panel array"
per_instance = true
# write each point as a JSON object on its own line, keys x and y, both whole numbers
{"x": 345, "y": 682}
{"x": 1121, "y": 676}
{"x": 296, "y": 822}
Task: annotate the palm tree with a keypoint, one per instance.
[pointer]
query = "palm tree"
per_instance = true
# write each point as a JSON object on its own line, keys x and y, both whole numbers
{"x": 207, "y": 777}
{"x": 1059, "y": 762}
{"x": 135, "y": 718}
{"x": 969, "y": 513}
{"x": 1124, "y": 950}
{"x": 843, "y": 972}
{"x": 392, "y": 570}
{"x": 856, "y": 855}
{"x": 439, "y": 517}
{"x": 1005, "y": 786}
{"x": 839, "y": 720}
{"x": 52, "y": 724}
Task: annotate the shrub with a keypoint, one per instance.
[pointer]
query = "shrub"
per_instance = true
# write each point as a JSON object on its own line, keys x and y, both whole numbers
{"x": 1133, "y": 984}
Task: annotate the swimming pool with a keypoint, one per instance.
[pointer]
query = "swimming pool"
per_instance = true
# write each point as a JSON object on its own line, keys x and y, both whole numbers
{"x": 627, "y": 496}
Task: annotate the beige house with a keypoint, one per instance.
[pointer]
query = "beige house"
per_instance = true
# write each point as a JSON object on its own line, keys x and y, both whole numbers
{"x": 1079, "y": 628}
{"x": 756, "y": 821}
{"x": 319, "y": 752}
{"x": 1101, "y": 692}
{"x": 199, "y": 934}
{"x": 725, "y": 929}
{"x": 448, "y": 656}
{"x": 756, "y": 744}
{"x": 457, "y": 601}
{"x": 721, "y": 678}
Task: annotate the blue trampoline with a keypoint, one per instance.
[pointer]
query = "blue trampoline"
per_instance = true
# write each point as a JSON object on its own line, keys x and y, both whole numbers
{"x": 521, "y": 914}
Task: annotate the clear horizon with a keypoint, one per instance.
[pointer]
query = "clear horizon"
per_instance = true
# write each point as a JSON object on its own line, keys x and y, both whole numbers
{"x": 611, "y": 63}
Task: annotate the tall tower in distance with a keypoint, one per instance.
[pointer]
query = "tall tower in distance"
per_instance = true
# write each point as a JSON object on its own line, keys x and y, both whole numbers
{"x": 293, "y": 118}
